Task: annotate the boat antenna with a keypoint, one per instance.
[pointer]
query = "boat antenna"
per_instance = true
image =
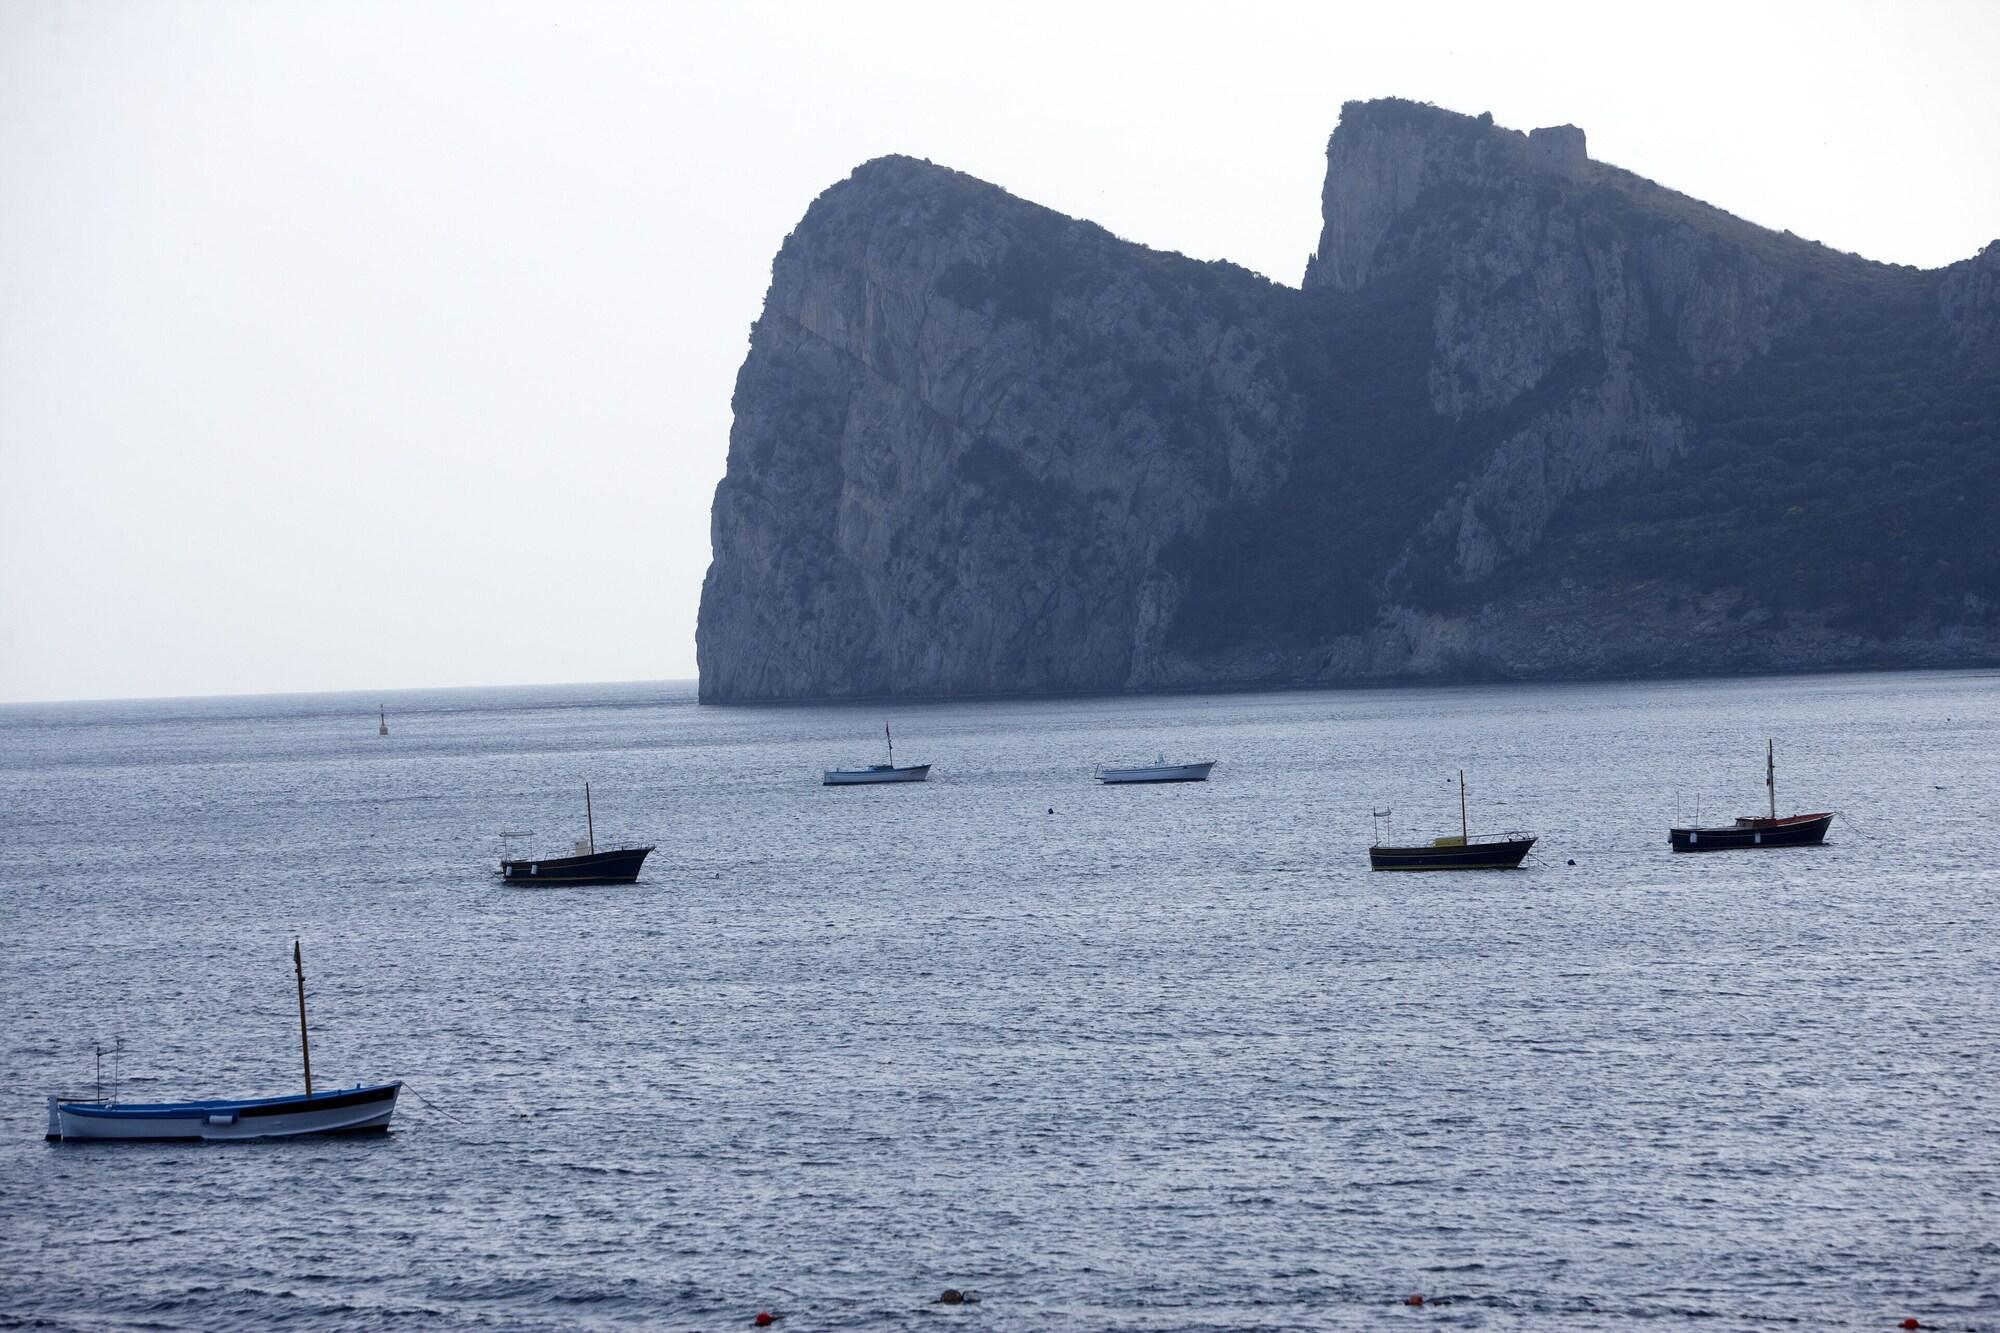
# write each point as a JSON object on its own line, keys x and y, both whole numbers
{"x": 589, "y": 820}
{"x": 1771, "y": 774}
{"x": 305, "y": 1047}
{"x": 1464, "y": 833}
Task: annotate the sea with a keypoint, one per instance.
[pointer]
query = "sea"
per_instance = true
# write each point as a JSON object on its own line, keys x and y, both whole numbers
{"x": 1102, "y": 1058}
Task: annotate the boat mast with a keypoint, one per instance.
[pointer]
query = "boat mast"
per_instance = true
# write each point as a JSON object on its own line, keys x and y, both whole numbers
{"x": 892, "y": 744}
{"x": 589, "y": 820}
{"x": 305, "y": 1047}
{"x": 1464, "y": 833}
{"x": 1771, "y": 774}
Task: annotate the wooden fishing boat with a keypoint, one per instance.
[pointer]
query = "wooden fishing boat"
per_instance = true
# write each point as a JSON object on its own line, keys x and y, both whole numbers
{"x": 584, "y": 865}
{"x": 1158, "y": 771}
{"x": 362, "y": 1109}
{"x": 1769, "y": 830}
{"x": 1503, "y": 851}
{"x": 357, "y": 1110}
{"x": 874, "y": 773}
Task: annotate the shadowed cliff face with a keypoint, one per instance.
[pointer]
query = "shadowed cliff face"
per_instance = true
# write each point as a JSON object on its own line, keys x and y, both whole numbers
{"x": 1529, "y": 415}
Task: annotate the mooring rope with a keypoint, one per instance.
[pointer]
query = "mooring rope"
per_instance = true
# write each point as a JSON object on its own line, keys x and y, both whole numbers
{"x": 433, "y": 1105}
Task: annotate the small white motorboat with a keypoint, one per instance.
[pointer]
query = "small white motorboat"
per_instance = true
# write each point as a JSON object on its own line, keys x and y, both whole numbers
{"x": 362, "y": 1109}
{"x": 855, "y": 777}
{"x": 1158, "y": 771}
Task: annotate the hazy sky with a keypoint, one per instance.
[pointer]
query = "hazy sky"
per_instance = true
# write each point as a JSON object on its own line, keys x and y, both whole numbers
{"x": 359, "y": 345}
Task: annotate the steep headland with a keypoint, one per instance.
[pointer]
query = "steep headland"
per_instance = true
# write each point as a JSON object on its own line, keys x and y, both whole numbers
{"x": 1528, "y": 415}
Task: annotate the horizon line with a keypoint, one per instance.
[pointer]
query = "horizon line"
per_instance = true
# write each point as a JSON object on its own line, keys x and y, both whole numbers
{"x": 385, "y": 690}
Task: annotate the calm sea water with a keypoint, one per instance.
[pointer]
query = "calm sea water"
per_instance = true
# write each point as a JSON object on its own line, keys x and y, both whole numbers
{"x": 1165, "y": 1058}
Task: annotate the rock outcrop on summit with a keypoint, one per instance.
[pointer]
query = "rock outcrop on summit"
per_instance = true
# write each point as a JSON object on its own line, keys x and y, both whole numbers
{"x": 1528, "y": 415}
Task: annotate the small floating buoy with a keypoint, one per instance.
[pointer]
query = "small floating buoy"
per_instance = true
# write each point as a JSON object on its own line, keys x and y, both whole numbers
{"x": 952, "y": 1296}
{"x": 1414, "y": 1298}
{"x": 1909, "y": 1323}
{"x": 1572, "y": 860}
{"x": 1052, "y": 809}
{"x": 764, "y": 1319}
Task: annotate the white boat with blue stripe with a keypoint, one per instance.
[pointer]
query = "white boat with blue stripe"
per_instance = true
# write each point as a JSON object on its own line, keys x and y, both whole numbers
{"x": 358, "y": 1110}
{"x": 362, "y": 1109}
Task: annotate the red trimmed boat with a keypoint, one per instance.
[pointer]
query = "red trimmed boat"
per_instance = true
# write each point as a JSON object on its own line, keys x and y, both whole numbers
{"x": 1757, "y": 830}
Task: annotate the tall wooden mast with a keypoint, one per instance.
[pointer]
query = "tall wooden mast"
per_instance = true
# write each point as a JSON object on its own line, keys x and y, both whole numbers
{"x": 305, "y": 1047}
{"x": 1771, "y": 774}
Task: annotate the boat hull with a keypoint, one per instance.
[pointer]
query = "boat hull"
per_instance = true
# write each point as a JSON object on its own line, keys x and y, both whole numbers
{"x": 345, "y": 1111}
{"x": 1156, "y": 773}
{"x": 1499, "y": 854}
{"x": 862, "y": 777}
{"x": 619, "y": 867}
{"x": 1790, "y": 831}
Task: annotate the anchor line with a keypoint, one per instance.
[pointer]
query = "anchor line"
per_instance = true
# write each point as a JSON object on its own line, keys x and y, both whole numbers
{"x": 431, "y": 1104}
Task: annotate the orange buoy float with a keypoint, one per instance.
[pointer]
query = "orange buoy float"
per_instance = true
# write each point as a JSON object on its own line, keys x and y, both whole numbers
{"x": 1909, "y": 1323}
{"x": 764, "y": 1319}
{"x": 1414, "y": 1298}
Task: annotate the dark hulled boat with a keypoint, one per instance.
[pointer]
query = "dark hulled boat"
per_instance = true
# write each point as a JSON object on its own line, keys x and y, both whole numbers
{"x": 586, "y": 865}
{"x": 1503, "y": 851}
{"x": 1485, "y": 853}
{"x": 1756, "y": 830}
{"x": 619, "y": 867}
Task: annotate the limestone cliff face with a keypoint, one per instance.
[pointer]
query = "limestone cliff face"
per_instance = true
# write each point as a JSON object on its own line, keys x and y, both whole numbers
{"x": 983, "y": 448}
{"x": 966, "y": 428}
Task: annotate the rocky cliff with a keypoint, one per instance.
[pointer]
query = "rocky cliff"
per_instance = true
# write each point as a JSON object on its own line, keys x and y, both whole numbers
{"x": 1528, "y": 415}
